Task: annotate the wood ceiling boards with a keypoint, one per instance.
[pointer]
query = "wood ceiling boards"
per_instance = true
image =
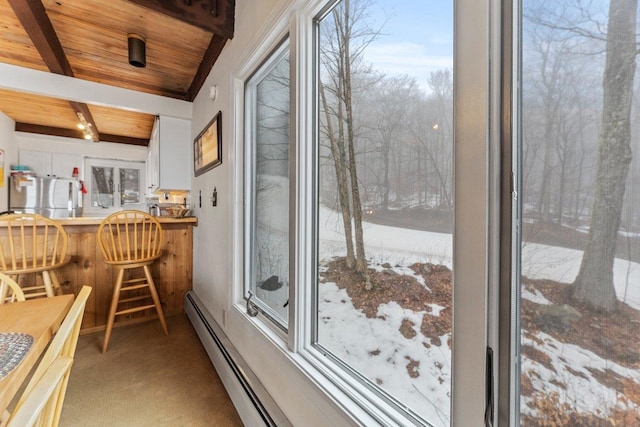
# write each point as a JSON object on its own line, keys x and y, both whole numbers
{"x": 87, "y": 39}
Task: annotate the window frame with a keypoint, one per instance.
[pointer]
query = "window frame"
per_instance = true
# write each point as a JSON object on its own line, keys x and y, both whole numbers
{"x": 506, "y": 318}
{"x": 90, "y": 162}
{"x": 476, "y": 175}
{"x": 250, "y": 177}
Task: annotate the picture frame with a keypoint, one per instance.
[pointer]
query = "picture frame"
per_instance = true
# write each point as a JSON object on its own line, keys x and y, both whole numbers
{"x": 207, "y": 146}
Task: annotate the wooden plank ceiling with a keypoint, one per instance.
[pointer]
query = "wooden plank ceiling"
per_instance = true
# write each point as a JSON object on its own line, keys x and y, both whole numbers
{"x": 87, "y": 39}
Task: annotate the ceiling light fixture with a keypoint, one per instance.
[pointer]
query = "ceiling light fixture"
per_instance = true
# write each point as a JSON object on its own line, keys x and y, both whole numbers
{"x": 137, "y": 50}
{"x": 85, "y": 127}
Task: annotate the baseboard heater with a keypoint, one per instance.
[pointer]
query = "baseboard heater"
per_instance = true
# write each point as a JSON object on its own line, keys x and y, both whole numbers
{"x": 253, "y": 403}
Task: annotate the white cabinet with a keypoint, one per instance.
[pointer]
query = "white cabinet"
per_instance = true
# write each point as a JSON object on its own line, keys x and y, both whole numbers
{"x": 153, "y": 159}
{"x": 169, "y": 162}
{"x": 45, "y": 163}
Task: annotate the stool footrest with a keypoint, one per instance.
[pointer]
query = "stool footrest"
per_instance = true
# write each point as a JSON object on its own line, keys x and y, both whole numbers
{"x": 135, "y": 309}
{"x": 136, "y": 280}
{"x": 131, "y": 299}
{"x": 134, "y": 287}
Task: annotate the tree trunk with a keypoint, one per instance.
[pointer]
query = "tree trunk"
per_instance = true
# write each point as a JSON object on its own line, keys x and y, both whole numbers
{"x": 385, "y": 173}
{"x": 544, "y": 196}
{"x": 339, "y": 163}
{"x": 361, "y": 261}
{"x": 563, "y": 173}
{"x": 594, "y": 283}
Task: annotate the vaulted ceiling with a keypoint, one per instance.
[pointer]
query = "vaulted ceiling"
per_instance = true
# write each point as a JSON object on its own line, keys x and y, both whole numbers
{"x": 88, "y": 40}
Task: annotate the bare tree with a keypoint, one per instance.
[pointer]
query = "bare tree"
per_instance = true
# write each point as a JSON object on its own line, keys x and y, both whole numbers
{"x": 441, "y": 84}
{"x": 551, "y": 88}
{"x": 346, "y": 38}
{"x": 430, "y": 130}
{"x": 594, "y": 283}
{"x": 582, "y": 23}
{"x": 392, "y": 101}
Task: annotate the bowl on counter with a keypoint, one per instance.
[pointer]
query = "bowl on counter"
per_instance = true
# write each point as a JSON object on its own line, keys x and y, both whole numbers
{"x": 177, "y": 211}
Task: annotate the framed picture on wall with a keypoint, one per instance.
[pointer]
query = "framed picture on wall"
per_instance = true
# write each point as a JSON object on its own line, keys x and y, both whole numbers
{"x": 207, "y": 147}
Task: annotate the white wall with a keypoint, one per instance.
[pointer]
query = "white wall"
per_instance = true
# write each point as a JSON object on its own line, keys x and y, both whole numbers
{"x": 9, "y": 145}
{"x": 213, "y": 281}
{"x": 36, "y": 142}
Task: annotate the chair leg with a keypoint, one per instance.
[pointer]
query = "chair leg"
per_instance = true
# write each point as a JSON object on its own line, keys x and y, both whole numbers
{"x": 57, "y": 290}
{"x": 156, "y": 299}
{"x": 112, "y": 309}
{"x": 48, "y": 285}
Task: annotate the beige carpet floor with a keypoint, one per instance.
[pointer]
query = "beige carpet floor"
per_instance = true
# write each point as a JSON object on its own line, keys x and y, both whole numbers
{"x": 146, "y": 379}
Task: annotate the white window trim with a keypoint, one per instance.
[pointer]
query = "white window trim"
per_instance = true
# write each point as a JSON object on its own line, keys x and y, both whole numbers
{"x": 271, "y": 35}
{"x": 471, "y": 257}
{"x": 250, "y": 175}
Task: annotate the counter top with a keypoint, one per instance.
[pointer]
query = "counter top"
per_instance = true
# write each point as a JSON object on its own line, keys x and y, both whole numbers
{"x": 87, "y": 220}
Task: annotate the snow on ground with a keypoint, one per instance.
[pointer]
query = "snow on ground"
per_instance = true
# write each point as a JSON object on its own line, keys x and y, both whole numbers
{"x": 397, "y": 246}
{"x": 572, "y": 373}
{"x": 377, "y": 349}
{"x": 535, "y": 296}
{"x": 562, "y": 265}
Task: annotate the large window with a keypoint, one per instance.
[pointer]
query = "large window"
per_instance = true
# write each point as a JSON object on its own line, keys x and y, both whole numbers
{"x": 578, "y": 294}
{"x": 267, "y": 186}
{"x": 347, "y": 210}
{"x": 385, "y": 200}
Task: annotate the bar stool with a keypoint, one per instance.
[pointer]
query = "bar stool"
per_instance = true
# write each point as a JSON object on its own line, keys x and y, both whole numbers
{"x": 31, "y": 244}
{"x": 131, "y": 239}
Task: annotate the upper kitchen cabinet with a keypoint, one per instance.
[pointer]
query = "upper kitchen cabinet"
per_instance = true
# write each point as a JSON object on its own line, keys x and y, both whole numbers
{"x": 169, "y": 162}
{"x": 45, "y": 163}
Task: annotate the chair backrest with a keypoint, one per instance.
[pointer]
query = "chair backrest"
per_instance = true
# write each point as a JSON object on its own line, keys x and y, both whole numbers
{"x": 130, "y": 236}
{"x": 65, "y": 340}
{"x": 42, "y": 405}
{"x": 10, "y": 291}
{"x": 31, "y": 242}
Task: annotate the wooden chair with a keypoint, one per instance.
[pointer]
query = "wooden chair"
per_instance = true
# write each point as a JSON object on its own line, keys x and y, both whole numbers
{"x": 129, "y": 240}
{"x": 35, "y": 245}
{"x": 63, "y": 344}
{"x": 42, "y": 405}
{"x": 10, "y": 291}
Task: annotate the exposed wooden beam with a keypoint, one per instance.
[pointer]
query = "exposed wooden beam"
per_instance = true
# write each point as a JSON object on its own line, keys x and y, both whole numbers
{"x": 216, "y": 16}
{"x": 34, "y": 19}
{"x": 209, "y": 58}
{"x": 49, "y": 130}
{"x": 76, "y": 133}
{"x": 36, "y": 23}
{"x": 121, "y": 139}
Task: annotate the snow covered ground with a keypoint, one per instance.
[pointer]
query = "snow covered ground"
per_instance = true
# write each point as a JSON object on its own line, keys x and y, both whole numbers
{"x": 377, "y": 349}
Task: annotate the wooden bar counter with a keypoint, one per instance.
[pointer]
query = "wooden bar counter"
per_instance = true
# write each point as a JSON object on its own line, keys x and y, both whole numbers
{"x": 172, "y": 273}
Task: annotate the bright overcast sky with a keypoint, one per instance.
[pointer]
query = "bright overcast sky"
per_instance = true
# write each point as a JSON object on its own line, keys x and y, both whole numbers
{"x": 417, "y": 38}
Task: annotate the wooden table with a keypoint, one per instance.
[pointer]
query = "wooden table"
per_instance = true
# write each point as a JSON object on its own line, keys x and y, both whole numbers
{"x": 40, "y": 318}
